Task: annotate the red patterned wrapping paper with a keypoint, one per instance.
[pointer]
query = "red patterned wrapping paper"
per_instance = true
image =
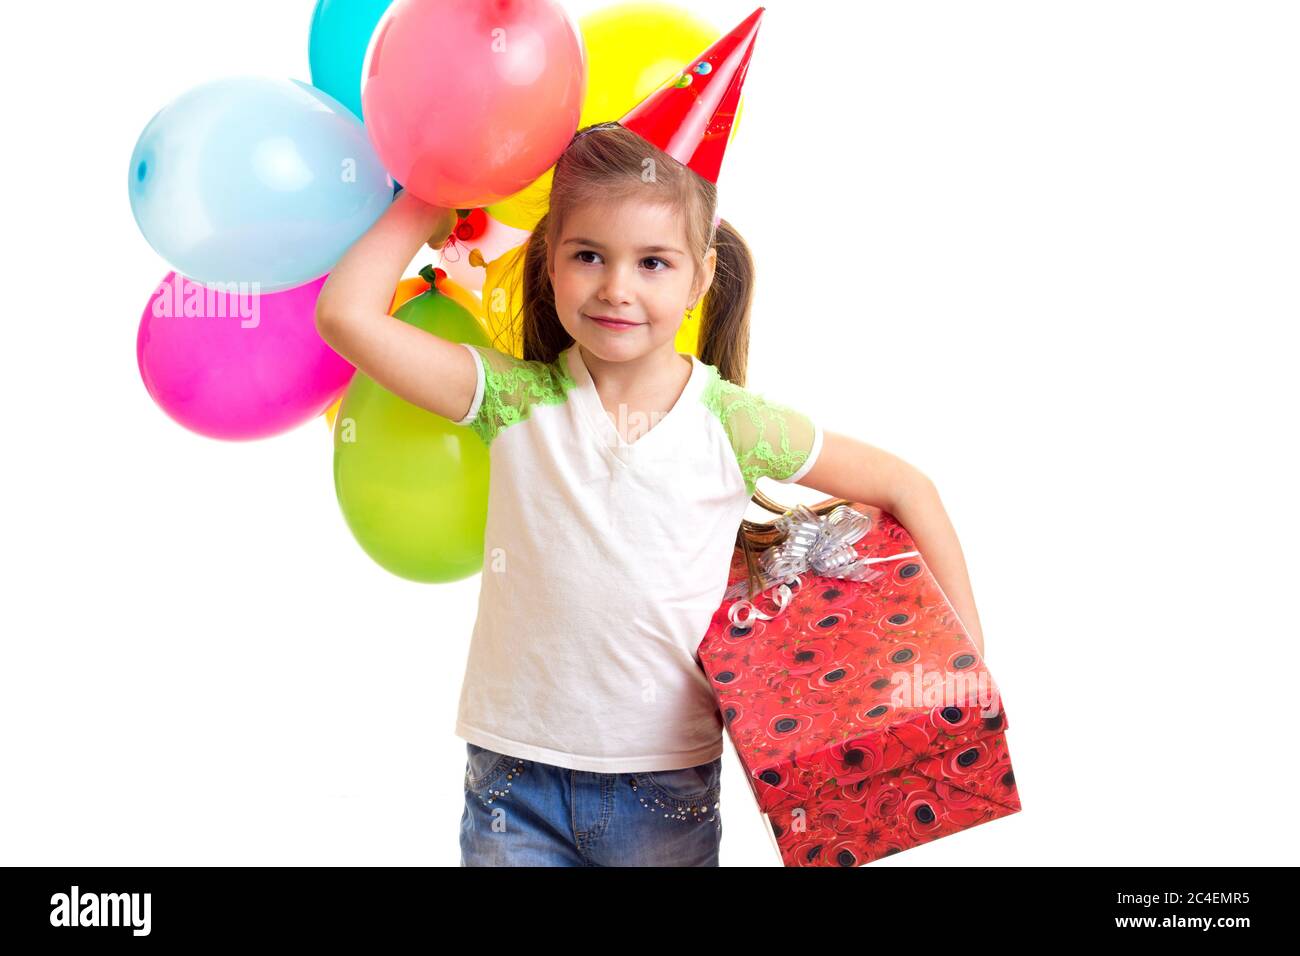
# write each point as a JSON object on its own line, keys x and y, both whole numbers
{"x": 862, "y": 714}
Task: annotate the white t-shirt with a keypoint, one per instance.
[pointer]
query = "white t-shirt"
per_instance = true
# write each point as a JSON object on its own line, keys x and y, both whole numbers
{"x": 604, "y": 561}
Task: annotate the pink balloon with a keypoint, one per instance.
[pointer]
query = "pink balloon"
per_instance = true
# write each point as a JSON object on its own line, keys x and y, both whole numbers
{"x": 468, "y": 103}
{"x": 230, "y": 362}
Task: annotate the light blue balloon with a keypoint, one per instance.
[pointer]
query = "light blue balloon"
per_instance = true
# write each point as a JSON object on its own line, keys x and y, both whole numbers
{"x": 249, "y": 179}
{"x": 340, "y": 34}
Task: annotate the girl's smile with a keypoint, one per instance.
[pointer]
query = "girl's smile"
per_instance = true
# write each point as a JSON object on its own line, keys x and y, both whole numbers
{"x": 614, "y": 324}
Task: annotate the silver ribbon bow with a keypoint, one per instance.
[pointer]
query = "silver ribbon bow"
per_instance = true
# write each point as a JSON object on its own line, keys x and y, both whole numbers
{"x": 820, "y": 545}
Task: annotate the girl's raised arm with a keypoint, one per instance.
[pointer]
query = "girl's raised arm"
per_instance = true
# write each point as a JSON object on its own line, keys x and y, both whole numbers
{"x": 352, "y": 313}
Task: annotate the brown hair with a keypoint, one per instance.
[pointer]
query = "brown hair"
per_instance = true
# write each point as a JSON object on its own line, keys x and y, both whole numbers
{"x": 606, "y": 163}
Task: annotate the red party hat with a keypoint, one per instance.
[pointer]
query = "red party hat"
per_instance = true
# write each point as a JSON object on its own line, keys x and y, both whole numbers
{"x": 691, "y": 115}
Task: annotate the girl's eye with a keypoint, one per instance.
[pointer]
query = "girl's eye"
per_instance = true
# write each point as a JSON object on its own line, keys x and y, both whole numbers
{"x": 588, "y": 252}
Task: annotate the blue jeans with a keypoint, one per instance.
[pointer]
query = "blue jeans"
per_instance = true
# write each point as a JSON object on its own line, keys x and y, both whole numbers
{"x": 525, "y": 813}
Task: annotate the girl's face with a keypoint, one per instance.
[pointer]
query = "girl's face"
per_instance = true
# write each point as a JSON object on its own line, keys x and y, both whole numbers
{"x": 627, "y": 261}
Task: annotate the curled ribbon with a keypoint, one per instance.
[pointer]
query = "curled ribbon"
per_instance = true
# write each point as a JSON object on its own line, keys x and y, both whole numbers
{"x": 818, "y": 545}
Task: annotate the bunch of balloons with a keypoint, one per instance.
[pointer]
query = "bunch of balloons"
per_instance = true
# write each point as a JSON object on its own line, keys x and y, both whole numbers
{"x": 252, "y": 188}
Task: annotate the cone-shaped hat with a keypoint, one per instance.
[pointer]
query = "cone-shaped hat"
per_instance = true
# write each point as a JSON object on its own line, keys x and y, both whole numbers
{"x": 691, "y": 115}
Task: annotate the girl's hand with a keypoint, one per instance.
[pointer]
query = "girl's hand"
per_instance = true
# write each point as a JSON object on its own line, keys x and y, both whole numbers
{"x": 444, "y": 222}
{"x": 363, "y": 279}
{"x": 442, "y": 229}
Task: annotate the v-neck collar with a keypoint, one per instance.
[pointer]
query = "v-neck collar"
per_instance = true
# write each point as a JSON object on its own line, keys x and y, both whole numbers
{"x": 588, "y": 401}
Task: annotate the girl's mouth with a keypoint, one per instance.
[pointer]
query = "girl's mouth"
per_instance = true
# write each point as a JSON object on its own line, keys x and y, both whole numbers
{"x": 616, "y": 324}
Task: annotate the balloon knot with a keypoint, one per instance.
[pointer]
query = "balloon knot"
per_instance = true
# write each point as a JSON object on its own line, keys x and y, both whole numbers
{"x": 432, "y": 276}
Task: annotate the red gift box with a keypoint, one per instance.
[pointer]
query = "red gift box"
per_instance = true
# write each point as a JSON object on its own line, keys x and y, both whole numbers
{"x": 862, "y": 713}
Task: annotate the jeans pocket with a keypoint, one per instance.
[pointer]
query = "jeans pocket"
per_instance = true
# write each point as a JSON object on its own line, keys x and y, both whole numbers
{"x": 700, "y": 784}
{"x": 484, "y": 768}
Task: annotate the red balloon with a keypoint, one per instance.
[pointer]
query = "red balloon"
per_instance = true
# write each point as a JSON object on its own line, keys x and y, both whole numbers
{"x": 471, "y": 226}
{"x": 468, "y": 103}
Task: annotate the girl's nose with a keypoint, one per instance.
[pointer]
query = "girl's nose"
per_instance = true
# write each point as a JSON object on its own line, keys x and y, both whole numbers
{"x": 614, "y": 289}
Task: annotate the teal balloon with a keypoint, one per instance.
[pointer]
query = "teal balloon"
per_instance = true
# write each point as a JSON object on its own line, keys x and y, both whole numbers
{"x": 336, "y": 50}
{"x": 251, "y": 179}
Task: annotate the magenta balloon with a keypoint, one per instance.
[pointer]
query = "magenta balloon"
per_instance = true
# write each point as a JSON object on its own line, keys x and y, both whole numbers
{"x": 468, "y": 103}
{"x": 229, "y": 363}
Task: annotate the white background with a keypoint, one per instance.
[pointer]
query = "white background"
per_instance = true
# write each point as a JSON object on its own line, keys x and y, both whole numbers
{"x": 1045, "y": 251}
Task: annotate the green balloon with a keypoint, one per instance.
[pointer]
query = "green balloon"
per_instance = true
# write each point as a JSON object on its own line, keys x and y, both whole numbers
{"x": 412, "y": 485}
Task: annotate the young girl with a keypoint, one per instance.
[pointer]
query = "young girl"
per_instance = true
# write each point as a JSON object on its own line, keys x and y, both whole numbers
{"x": 620, "y": 472}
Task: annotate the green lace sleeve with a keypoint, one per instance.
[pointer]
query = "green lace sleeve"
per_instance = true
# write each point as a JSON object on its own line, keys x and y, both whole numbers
{"x": 509, "y": 388}
{"x": 770, "y": 440}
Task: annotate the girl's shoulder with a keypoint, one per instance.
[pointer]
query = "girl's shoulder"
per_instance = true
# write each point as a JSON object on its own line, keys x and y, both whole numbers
{"x": 509, "y": 388}
{"x": 770, "y": 439}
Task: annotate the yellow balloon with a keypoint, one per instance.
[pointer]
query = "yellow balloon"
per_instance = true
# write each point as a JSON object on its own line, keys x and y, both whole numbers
{"x": 632, "y": 49}
{"x": 332, "y": 412}
{"x": 688, "y": 335}
{"x": 503, "y": 300}
{"x": 525, "y": 209}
